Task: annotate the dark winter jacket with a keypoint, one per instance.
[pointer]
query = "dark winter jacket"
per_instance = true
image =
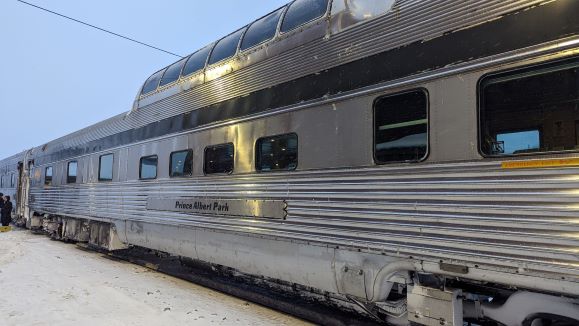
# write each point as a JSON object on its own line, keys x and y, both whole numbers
{"x": 6, "y": 211}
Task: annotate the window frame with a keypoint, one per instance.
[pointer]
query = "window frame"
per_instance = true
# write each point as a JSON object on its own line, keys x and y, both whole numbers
{"x": 205, "y": 161}
{"x": 193, "y": 73}
{"x": 513, "y": 70}
{"x": 161, "y": 73}
{"x": 282, "y": 11}
{"x": 182, "y": 61}
{"x": 407, "y": 91}
{"x": 189, "y": 150}
{"x": 68, "y": 172}
{"x": 217, "y": 63}
{"x": 276, "y": 136}
{"x": 112, "y": 170}
{"x": 51, "y": 175}
{"x": 141, "y": 167}
{"x": 310, "y": 22}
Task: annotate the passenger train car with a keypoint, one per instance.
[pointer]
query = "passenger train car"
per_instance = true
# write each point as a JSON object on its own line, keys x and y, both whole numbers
{"x": 418, "y": 159}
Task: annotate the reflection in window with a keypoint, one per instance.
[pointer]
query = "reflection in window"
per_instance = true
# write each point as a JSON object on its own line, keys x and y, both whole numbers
{"x": 71, "y": 172}
{"x": 181, "y": 164}
{"x": 48, "y": 176}
{"x": 261, "y": 30}
{"x": 219, "y": 159}
{"x": 530, "y": 110}
{"x": 172, "y": 73}
{"x": 518, "y": 142}
{"x": 148, "y": 167}
{"x": 196, "y": 61}
{"x": 152, "y": 83}
{"x": 277, "y": 153}
{"x": 226, "y": 47}
{"x": 401, "y": 127}
{"x": 303, "y": 11}
{"x": 106, "y": 167}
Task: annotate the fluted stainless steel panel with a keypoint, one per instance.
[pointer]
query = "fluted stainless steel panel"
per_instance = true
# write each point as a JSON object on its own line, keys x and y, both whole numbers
{"x": 477, "y": 213}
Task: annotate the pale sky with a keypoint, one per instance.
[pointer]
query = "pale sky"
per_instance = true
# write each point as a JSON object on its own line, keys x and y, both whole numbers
{"x": 59, "y": 76}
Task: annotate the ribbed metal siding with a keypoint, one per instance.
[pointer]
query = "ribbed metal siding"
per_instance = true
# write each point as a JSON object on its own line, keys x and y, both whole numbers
{"x": 527, "y": 220}
{"x": 410, "y": 21}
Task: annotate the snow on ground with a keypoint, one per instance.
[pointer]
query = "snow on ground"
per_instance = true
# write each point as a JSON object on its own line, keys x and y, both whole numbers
{"x": 44, "y": 282}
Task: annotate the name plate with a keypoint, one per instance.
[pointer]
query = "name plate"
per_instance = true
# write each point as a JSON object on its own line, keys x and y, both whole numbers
{"x": 228, "y": 207}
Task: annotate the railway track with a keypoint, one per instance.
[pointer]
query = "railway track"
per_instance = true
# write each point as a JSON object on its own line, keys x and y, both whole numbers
{"x": 286, "y": 298}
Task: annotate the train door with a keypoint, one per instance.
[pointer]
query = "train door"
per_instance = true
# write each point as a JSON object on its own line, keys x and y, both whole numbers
{"x": 23, "y": 185}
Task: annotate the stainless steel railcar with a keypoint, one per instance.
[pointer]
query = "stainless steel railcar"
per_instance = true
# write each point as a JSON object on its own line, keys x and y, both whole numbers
{"x": 418, "y": 159}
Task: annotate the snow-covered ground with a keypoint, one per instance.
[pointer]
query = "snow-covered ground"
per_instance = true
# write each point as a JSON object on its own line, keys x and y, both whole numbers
{"x": 44, "y": 282}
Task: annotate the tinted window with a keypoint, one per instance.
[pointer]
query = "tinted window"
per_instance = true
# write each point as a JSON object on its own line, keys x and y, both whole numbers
{"x": 152, "y": 83}
{"x": 181, "y": 164}
{"x": 401, "y": 127}
{"x": 261, "y": 30}
{"x": 71, "y": 172}
{"x": 303, "y": 11}
{"x": 226, "y": 47}
{"x": 172, "y": 73}
{"x": 219, "y": 159}
{"x": 106, "y": 167}
{"x": 148, "y": 169}
{"x": 277, "y": 153}
{"x": 48, "y": 176}
{"x": 530, "y": 110}
{"x": 196, "y": 61}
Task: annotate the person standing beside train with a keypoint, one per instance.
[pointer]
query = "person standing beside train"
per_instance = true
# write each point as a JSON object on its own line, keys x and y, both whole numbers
{"x": 6, "y": 211}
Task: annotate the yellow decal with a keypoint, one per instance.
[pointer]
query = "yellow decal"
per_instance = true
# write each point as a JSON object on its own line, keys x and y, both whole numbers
{"x": 540, "y": 163}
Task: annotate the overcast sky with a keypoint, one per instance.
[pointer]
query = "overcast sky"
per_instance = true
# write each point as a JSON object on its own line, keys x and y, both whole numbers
{"x": 59, "y": 76}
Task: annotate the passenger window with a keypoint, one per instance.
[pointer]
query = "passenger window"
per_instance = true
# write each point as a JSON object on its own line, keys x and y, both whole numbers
{"x": 530, "y": 110}
{"x": 261, "y": 30}
{"x": 152, "y": 83}
{"x": 401, "y": 127}
{"x": 219, "y": 159}
{"x": 181, "y": 164}
{"x": 172, "y": 73}
{"x": 226, "y": 47}
{"x": 303, "y": 11}
{"x": 48, "y": 175}
{"x": 106, "y": 167}
{"x": 196, "y": 61}
{"x": 71, "y": 172}
{"x": 277, "y": 153}
{"x": 148, "y": 167}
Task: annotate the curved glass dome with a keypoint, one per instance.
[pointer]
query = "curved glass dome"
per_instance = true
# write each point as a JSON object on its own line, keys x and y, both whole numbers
{"x": 261, "y": 30}
{"x": 301, "y": 12}
{"x": 265, "y": 29}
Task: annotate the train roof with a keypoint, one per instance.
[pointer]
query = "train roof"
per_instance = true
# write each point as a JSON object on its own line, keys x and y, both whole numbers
{"x": 280, "y": 30}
